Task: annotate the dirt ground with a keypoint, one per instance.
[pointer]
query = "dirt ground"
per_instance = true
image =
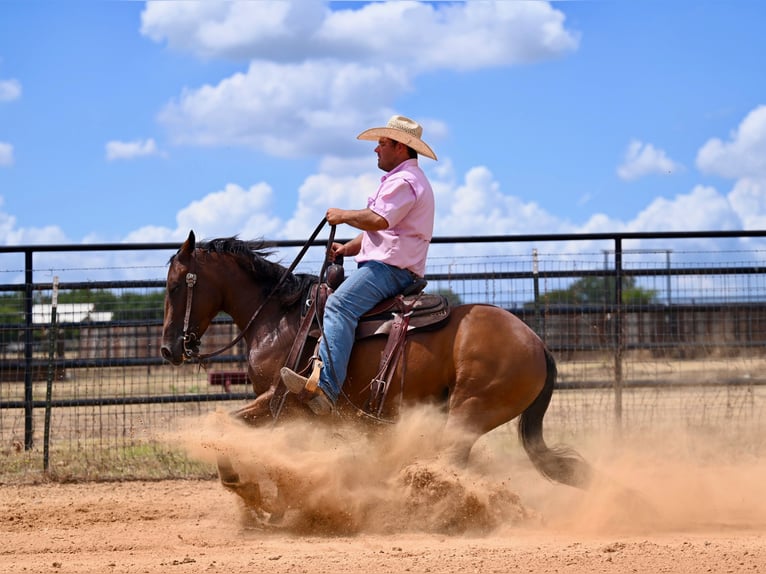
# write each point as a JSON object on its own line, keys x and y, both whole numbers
{"x": 676, "y": 502}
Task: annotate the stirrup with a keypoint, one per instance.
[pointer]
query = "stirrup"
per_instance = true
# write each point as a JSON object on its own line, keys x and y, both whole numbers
{"x": 296, "y": 383}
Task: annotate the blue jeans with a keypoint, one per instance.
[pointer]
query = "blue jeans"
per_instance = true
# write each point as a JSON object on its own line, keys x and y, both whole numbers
{"x": 370, "y": 284}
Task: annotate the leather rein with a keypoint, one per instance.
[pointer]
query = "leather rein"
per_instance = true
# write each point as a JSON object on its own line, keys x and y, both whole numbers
{"x": 191, "y": 340}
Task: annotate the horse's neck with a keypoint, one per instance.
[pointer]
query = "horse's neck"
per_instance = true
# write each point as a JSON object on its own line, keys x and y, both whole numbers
{"x": 269, "y": 328}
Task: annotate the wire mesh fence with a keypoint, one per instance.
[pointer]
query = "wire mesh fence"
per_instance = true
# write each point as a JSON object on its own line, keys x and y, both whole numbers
{"x": 643, "y": 337}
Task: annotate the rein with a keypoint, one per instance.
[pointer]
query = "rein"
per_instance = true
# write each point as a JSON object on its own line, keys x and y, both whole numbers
{"x": 191, "y": 341}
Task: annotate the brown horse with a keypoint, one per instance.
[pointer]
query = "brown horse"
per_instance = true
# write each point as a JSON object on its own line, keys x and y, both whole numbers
{"x": 484, "y": 366}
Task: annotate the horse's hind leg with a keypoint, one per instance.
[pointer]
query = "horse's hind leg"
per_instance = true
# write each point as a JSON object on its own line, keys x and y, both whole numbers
{"x": 457, "y": 442}
{"x": 471, "y": 418}
{"x": 500, "y": 368}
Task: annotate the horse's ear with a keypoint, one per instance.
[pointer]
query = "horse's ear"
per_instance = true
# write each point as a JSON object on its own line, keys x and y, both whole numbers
{"x": 189, "y": 244}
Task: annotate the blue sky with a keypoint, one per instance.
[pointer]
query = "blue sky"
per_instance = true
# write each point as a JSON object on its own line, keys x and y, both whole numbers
{"x": 133, "y": 121}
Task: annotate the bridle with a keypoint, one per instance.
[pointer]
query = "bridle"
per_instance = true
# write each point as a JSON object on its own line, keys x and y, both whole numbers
{"x": 191, "y": 340}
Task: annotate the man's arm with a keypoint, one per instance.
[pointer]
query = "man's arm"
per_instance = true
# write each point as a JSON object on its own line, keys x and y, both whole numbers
{"x": 364, "y": 219}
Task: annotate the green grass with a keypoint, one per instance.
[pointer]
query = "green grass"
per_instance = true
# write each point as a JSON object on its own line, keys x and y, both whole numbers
{"x": 141, "y": 461}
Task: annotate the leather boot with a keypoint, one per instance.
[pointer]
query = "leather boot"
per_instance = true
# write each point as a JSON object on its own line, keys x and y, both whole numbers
{"x": 308, "y": 389}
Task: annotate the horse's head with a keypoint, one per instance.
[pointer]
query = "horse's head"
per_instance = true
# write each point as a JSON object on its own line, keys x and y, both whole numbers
{"x": 229, "y": 275}
{"x": 192, "y": 300}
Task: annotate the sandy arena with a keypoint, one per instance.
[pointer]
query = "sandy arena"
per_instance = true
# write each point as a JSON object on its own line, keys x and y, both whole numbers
{"x": 674, "y": 502}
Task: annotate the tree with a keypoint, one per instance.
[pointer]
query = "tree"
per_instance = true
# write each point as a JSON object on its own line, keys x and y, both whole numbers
{"x": 12, "y": 308}
{"x": 11, "y": 317}
{"x": 594, "y": 290}
{"x": 452, "y": 297}
{"x": 140, "y": 306}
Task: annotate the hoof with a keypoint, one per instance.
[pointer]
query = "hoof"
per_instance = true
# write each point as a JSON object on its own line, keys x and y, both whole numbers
{"x": 226, "y": 471}
{"x": 249, "y": 492}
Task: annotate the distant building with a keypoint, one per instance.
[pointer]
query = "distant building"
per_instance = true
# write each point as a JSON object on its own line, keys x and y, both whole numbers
{"x": 69, "y": 313}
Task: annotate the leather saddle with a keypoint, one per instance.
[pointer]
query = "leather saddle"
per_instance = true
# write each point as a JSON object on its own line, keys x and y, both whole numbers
{"x": 426, "y": 311}
{"x": 423, "y": 310}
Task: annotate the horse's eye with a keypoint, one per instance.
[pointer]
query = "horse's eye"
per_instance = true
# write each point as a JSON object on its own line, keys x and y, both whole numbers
{"x": 173, "y": 288}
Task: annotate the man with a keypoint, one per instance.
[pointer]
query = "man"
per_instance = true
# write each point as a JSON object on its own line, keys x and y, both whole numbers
{"x": 396, "y": 229}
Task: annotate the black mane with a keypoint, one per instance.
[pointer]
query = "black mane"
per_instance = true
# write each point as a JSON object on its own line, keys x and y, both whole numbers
{"x": 252, "y": 257}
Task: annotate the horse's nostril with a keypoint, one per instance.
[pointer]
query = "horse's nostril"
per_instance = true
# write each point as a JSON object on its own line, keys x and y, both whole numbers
{"x": 165, "y": 352}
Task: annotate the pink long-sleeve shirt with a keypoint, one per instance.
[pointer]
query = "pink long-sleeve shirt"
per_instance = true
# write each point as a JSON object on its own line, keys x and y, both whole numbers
{"x": 406, "y": 201}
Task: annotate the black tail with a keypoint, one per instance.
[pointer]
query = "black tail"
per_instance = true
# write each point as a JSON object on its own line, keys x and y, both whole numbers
{"x": 559, "y": 463}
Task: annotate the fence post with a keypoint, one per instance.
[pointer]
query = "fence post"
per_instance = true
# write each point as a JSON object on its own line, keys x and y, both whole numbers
{"x": 619, "y": 339}
{"x": 540, "y": 325}
{"x": 28, "y": 343}
{"x": 51, "y": 374}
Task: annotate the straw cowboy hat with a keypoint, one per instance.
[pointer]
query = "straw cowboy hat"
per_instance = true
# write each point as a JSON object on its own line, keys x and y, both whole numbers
{"x": 403, "y": 130}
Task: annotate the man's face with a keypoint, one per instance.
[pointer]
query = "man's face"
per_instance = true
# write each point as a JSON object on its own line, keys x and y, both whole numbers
{"x": 389, "y": 154}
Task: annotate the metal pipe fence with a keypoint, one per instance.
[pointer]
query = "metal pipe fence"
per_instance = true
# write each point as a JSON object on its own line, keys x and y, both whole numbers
{"x": 691, "y": 335}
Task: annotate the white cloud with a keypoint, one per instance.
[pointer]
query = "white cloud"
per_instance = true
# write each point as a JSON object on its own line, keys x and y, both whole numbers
{"x": 316, "y": 75}
{"x": 6, "y": 154}
{"x": 478, "y": 206}
{"x": 267, "y": 29}
{"x": 744, "y": 155}
{"x": 459, "y": 36}
{"x": 291, "y": 110}
{"x": 129, "y": 150}
{"x": 473, "y": 204}
{"x": 11, "y": 234}
{"x": 153, "y": 234}
{"x": 285, "y": 110}
{"x": 469, "y": 203}
{"x": 321, "y": 191}
{"x": 247, "y": 213}
{"x": 10, "y": 90}
{"x": 232, "y": 210}
{"x": 748, "y": 199}
{"x": 702, "y": 209}
{"x": 742, "y": 158}
{"x": 642, "y": 159}
{"x": 419, "y": 35}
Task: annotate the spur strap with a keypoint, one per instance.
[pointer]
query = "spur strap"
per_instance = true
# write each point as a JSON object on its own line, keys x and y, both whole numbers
{"x": 390, "y": 358}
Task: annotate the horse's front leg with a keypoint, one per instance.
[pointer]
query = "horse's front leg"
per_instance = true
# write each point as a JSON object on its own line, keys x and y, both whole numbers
{"x": 249, "y": 491}
{"x": 255, "y": 412}
{"x": 251, "y": 413}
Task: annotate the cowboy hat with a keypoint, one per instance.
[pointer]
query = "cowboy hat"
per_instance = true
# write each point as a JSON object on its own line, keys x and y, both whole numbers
{"x": 401, "y": 129}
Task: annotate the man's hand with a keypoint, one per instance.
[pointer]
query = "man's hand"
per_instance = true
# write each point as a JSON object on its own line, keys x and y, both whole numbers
{"x": 336, "y": 249}
{"x": 334, "y": 216}
{"x": 345, "y": 249}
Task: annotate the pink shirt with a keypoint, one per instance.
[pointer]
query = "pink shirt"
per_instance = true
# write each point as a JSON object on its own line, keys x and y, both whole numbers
{"x": 406, "y": 201}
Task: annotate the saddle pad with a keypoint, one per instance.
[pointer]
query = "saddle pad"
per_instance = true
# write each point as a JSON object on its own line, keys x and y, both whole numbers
{"x": 429, "y": 311}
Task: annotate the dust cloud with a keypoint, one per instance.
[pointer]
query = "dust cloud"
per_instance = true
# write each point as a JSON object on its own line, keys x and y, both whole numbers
{"x": 349, "y": 479}
{"x": 673, "y": 479}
